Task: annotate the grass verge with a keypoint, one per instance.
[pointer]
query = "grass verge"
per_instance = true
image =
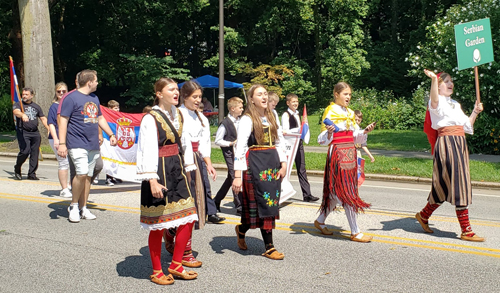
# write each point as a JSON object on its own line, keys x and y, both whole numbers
{"x": 480, "y": 171}
{"x": 380, "y": 139}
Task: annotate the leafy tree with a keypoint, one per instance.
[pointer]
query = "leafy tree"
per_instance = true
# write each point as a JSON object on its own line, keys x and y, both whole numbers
{"x": 438, "y": 53}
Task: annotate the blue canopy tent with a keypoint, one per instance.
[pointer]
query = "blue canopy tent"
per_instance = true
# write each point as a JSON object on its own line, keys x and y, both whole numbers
{"x": 212, "y": 82}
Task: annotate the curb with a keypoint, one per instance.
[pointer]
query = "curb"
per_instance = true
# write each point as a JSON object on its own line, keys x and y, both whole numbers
{"x": 317, "y": 173}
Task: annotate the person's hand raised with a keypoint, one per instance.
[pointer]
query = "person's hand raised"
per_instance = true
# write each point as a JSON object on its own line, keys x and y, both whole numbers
{"x": 430, "y": 74}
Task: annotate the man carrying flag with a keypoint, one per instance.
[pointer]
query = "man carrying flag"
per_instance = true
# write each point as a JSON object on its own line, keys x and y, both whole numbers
{"x": 291, "y": 124}
{"x": 26, "y": 113}
{"x": 28, "y": 135}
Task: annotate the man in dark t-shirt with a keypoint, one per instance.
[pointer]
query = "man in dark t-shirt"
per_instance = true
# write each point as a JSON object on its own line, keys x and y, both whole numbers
{"x": 79, "y": 125}
{"x": 28, "y": 135}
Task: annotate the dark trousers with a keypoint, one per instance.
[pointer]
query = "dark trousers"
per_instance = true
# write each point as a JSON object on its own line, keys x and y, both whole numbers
{"x": 221, "y": 194}
{"x": 209, "y": 202}
{"x": 300, "y": 164}
{"x": 97, "y": 169}
{"x": 29, "y": 145}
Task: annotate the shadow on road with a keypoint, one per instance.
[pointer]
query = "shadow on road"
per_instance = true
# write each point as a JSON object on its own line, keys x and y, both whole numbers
{"x": 11, "y": 175}
{"x": 308, "y": 228}
{"x": 255, "y": 245}
{"x": 139, "y": 266}
{"x": 410, "y": 224}
{"x": 60, "y": 209}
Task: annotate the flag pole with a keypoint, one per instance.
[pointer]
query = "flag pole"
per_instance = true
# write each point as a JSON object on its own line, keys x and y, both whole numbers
{"x": 478, "y": 95}
{"x": 14, "y": 84}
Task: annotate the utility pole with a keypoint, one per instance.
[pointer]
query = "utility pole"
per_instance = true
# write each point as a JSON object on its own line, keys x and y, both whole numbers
{"x": 221, "y": 60}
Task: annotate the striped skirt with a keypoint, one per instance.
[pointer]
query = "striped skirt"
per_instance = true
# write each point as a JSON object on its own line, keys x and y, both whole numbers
{"x": 450, "y": 174}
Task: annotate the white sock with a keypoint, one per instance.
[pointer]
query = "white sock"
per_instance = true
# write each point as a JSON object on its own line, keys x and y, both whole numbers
{"x": 322, "y": 218}
{"x": 352, "y": 219}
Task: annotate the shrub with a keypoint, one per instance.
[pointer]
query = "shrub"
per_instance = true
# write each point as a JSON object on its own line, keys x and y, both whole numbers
{"x": 6, "y": 116}
{"x": 438, "y": 54}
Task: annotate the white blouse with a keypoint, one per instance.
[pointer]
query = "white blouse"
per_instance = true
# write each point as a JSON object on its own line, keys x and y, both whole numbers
{"x": 358, "y": 134}
{"x": 221, "y": 132}
{"x": 285, "y": 121}
{"x": 195, "y": 132}
{"x": 449, "y": 113}
{"x": 147, "y": 148}
{"x": 244, "y": 130}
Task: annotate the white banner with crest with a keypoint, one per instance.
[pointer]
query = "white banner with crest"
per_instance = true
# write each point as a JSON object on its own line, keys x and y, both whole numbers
{"x": 292, "y": 144}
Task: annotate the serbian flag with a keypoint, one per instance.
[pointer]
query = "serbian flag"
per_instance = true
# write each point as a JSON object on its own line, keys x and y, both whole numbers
{"x": 14, "y": 87}
{"x": 304, "y": 129}
{"x": 361, "y": 171}
{"x": 120, "y": 160}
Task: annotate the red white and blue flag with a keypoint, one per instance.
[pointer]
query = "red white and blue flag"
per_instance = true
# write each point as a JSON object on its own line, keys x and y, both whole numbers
{"x": 120, "y": 161}
{"x": 14, "y": 87}
{"x": 304, "y": 130}
{"x": 361, "y": 171}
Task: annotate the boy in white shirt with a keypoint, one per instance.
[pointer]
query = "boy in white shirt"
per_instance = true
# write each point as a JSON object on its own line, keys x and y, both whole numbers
{"x": 226, "y": 139}
{"x": 290, "y": 122}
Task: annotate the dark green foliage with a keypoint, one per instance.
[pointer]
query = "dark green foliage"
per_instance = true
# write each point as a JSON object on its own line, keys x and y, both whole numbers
{"x": 6, "y": 116}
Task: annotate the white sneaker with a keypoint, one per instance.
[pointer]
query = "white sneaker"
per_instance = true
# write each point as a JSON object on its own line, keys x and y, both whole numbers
{"x": 109, "y": 182}
{"x": 65, "y": 193}
{"x": 86, "y": 214}
{"x": 74, "y": 214}
{"x": 96, "y": 181}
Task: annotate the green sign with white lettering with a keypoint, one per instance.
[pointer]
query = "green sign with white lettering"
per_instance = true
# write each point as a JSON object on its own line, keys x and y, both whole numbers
{"x": 474, "y": 43}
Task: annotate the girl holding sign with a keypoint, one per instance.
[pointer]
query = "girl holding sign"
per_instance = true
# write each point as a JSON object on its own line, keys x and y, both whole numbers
{"x": 340, "y": 131}
{"x": 450, "y": 174}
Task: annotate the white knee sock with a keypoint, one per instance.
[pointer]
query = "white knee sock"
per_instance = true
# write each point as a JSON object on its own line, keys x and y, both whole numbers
{"x": 352, "y": 219}
{"x": 322, "y": 218}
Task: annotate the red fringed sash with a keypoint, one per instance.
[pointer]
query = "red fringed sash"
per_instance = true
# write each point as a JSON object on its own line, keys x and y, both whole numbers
{"x": 341, "y": 177}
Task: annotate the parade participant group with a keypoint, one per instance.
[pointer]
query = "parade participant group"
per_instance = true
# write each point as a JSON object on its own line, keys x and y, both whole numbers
{"x": 175, "y": 168}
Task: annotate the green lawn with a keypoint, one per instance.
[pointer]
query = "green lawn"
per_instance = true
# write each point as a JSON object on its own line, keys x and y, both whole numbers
{"x": 380, "y": 139}
{"x": 480, "y": 171}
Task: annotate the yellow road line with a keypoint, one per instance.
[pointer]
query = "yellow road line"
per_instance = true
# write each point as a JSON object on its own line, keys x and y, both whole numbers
{"x": 286, "y": 227}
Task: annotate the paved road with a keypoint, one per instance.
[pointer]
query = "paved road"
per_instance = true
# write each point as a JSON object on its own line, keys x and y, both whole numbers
{"x": 42, "y": 252}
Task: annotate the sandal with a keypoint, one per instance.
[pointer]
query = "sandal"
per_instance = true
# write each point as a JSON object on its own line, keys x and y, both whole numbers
{"x": 241, "y": 241}
{"x": 186, "y": 275}
{"x": 422, "y": 222}
{"x": 273, "y": 254}
{"x": 188, "y": 260}
{"x": 325, "y": 230}
{"x": 471, "y": 236}
{"x": 160, "y": 279}
{"x": 363, "y": 239}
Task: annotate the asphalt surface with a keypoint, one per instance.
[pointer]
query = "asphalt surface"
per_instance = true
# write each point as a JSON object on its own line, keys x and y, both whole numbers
{"x": 42, "y": 252}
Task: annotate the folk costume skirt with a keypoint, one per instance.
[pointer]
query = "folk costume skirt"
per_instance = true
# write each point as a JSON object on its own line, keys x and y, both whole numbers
{"x": 451, "y": 174}
{"x": 177, "y": 207}
{"x": 198, "y": 188}
{"x": 341, "y": 177}
{"x": 261, "y": 188}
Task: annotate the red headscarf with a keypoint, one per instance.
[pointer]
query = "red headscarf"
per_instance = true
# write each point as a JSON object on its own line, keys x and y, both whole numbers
{"x": 432, "y": 134}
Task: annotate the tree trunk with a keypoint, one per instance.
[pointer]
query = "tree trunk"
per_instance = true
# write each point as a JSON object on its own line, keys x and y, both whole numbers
{"x": 37, "y": 53}
{"x": 17, "y": 43}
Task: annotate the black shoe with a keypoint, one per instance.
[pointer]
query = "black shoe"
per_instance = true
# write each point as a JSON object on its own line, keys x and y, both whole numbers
{"x": 238, "y": 212}
{"x": 33, "y": 177}
{"x": 310, "y": 198}
{"x": 215, "y": 219}
{"x": 18, "y": 176}
{"x": 118, "y": 180}
{"x": 217, "y": 206}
